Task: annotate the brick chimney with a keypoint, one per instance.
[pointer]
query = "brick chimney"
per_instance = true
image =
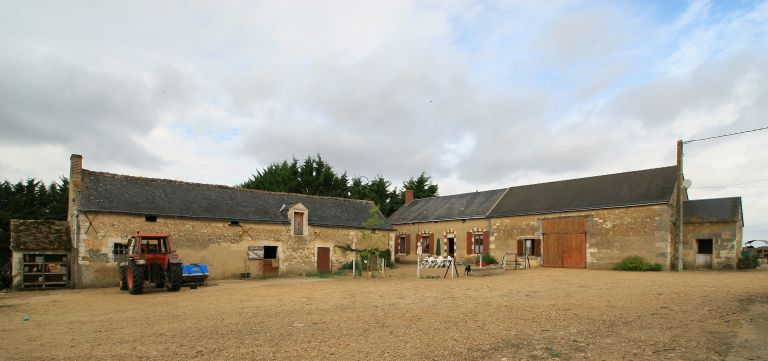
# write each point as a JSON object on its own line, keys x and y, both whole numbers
{"x": 76, "y": 170}
{"x": 408, "y": 196}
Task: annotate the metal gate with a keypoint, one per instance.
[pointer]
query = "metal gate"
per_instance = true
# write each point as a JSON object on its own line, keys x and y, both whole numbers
{"x": 565, "y": 242}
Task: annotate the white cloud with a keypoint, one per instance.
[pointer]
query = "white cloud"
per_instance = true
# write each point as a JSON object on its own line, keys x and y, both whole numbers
{"x": 479, "y": 95}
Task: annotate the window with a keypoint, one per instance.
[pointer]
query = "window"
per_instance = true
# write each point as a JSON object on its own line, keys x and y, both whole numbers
{"x": 234, "y": 223}
{"x": 119, "y": 249}
{"x": 119, "y": 252}
{"x": 153, "y": 246}
{"x": 298, "y": 223}
{"x": 150, "y": 218}
{"x": 424, "y": 244}
{"x": 403, "y": 245}
{"x": 478, "y": 243}
{"x": 530, "y": 247}
{"x": 270, "y": 252}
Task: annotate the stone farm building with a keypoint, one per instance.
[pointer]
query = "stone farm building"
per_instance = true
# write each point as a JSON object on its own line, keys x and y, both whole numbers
{"x": 40, "y": 254}
{"x": 591, "y": 222}
{"x": 231, "y": 229}
{"x": 712, "y": 233}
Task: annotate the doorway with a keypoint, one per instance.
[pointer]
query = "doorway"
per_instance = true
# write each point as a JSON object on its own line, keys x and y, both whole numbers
{"x": 704, "y": 254}
{"x": 564, "y": 242}
{"x": 452, "y": 247}
{"x": 323, "y": 259}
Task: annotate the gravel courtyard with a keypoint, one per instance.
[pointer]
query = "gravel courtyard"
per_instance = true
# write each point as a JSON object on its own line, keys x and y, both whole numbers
{"x": 537, "y": 314}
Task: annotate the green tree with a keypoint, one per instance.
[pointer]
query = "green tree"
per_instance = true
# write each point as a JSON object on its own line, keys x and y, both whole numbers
{"x": 315, "y": 176}
{"x": 421, "y": 186}
{"x": 31, "y": 199}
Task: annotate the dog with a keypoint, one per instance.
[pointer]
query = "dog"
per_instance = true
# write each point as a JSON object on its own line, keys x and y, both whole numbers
{"x": 467, "y": 270}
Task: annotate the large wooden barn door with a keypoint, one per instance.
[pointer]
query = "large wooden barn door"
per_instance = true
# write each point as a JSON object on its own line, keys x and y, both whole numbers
{"x": 565, "y": 242}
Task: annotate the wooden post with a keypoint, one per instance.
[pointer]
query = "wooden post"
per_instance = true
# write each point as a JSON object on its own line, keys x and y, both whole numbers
{"x": 679, "y": 205}
{"x": 418, "y": 259}
{"x": 354, "y": 259}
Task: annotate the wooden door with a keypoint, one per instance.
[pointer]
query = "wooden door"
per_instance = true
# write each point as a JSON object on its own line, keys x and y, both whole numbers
{"x": 323, "y": 259}
{"x": 565, "y": 242}
{"x": 270, "y": 267}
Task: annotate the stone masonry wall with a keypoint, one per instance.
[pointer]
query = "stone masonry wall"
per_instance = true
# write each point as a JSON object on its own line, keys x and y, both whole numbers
{"x": 726, "y": 244}
{"x": 612, "y": 234}
{"x": 442, "y": 230}
{"x": 215, "y": 242}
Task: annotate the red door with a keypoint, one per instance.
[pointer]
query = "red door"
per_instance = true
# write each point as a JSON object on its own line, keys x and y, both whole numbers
{"x": 270, "y": 267}
{"x": 323, "y": 259}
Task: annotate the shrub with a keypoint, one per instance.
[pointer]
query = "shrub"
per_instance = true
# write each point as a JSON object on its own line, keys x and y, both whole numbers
{"x": 748, "y": 262}
{"x": 488, "y": 259}
{"x": 636, "y": 263}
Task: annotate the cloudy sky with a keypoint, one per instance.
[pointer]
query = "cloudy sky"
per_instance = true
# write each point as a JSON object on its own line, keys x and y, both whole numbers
{"x": 480, "y": 95}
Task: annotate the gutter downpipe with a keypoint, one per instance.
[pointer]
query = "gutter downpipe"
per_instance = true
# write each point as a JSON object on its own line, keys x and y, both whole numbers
{"x": 75, "y": 250}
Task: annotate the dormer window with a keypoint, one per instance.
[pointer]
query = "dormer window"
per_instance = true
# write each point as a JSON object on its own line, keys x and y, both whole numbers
{"x": 297, "y": 216}
{"x": 298, "y": 223}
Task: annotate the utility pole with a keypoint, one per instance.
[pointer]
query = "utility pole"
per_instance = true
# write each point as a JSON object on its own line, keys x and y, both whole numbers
{"x": 679, "y": 205}
{"x": 681, "y": 187}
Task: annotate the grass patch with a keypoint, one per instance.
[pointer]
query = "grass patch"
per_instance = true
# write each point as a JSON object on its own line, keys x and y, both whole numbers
{"x": 637, "y": 263}
{"x": 339, "y": 272}
{"x": 552, "y": 352}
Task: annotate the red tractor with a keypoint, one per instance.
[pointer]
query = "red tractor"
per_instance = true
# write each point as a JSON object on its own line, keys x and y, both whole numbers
{"x": 150, "y": 259}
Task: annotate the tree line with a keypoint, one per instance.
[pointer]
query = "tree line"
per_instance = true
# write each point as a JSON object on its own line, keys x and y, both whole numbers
{"x": 314, "y": 176}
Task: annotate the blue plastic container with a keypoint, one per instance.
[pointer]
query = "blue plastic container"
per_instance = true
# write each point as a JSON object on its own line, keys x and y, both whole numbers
{"x": 196, "y": 273}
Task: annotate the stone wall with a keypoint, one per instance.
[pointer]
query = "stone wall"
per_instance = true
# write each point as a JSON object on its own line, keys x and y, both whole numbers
{"x": 443, "y": 230}
{"x": 726, "y": 244}
{"x": 612, "y": 234}
{"x": 215, "y": 242}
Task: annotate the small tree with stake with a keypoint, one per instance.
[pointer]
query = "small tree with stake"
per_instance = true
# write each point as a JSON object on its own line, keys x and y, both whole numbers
{"x": 371, "y": 224}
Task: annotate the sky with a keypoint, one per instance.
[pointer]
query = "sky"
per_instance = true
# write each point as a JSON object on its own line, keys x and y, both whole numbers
{"x": 478, "y": 94}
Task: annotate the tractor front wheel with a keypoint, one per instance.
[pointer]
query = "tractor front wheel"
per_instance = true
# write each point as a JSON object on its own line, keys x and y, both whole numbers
{"x": 135, "y": 275}
{"x": 123, "y": 278}
{"x": 173, "y": 277}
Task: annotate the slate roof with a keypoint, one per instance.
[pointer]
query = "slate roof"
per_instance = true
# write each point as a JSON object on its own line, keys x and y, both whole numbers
{"x": 460, "y": 206}
{"x": 36, "y": 235}
{"x": 642, "y": 187}
{"x": 649, "y": 186}
{"x": 716, "y": 210}
{"x": 106, "y": 192}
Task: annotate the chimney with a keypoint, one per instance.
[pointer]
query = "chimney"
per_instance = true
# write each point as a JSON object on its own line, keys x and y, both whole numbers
{"x": 76, "y": 170}
{"x": 408, "y": 196}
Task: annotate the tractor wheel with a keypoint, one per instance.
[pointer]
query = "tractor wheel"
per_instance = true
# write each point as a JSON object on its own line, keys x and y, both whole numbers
{"x": 173, "y": 277}
{"x": 135, "y": 275}
{"x": 123, "y": 278}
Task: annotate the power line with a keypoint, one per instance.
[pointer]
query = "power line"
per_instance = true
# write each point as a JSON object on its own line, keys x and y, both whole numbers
{"x": 738, "y": 184}
{"x": 724, "y": 135}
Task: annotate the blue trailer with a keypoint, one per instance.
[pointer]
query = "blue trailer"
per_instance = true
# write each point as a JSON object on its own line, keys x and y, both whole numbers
{"x": 195, "y": 274}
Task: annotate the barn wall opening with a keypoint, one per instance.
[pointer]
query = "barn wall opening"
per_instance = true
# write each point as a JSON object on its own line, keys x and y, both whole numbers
{"x": 270, "y": 252}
